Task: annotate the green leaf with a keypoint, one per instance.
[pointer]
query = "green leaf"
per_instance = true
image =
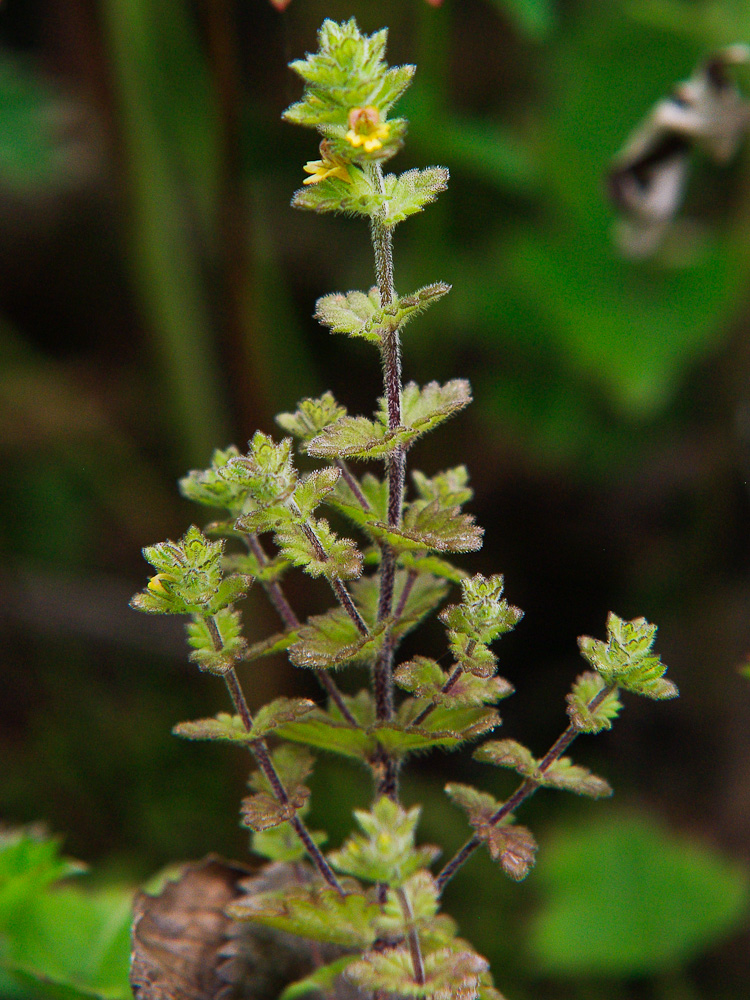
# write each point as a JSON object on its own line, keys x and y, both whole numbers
{"x": 233, "y": 645}
{"x": 514, "y": 847}
{"x": 230, "y": 728}
{"x": 561, "y": 773}
{"x": 320, "y": 552}
{"x": 424, "y": 678}
{"x": 433, "y": 565}
{"x": 347, "y": 72}
{"x": 385, "y": 850}
{"x": 411, "y": 191}
{"x": 189, "y": 578}
{"x": 449, "y": 972}
{"x": 311, "y": 417}
{"x": 425, "y": 593}
{"x": 324, "y": 732}
{"x": 359, "y": 314}
{"x": 246, "y": 564}
{"x": 314, "y": 488}
{"x": 321, "y": 981}
{"x": 73, "y": 944}
{"x": 450, "y": 487}
{"x": 333, "y": 640}
{"x": 277, "y": 643}
{"x": 208, "y": 487}
{"x": 431, "y": 525}
{"x": 358, "y": 197}
{"x": 267, "y": 472}
{"x": 624, "y": 897}
{"x": 626, "y": 658}
{"x": 586, "y": 687}
{"x": 508, "y": 753}
{"x": 313, "y": 911}
{"x": 421, "y": 410}
{"x": 30, "y": 861}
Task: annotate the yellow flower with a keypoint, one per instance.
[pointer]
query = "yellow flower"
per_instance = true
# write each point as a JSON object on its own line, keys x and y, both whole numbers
{"x": 329, "y": 165}
{"x": 366, "y": 129}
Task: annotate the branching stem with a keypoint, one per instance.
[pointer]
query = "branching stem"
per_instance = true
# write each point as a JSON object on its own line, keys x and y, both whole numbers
{"x": 428, "y": 709}
{"x": 259, "y": 750}
{"x": 526, "y": 789}
{"x": 284, "y": 610}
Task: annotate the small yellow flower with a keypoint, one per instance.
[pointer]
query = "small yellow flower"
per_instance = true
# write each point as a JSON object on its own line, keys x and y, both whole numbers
{"x": 329, "y": 165}
{"x": 156, "y": 584}
{"x": 366, "y": 129}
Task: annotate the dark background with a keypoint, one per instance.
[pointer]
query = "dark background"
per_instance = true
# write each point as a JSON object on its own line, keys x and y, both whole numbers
{"x": 156, "y": 300}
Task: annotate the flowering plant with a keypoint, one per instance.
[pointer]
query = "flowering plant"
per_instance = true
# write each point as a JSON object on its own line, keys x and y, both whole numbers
{"x": 375, "y": 900}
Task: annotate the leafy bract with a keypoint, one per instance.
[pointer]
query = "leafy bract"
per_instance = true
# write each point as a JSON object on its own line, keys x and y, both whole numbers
{"x": 626, "y": 658}
{"x": 267, "y": 471}
{"x": 189, "y": 578}
{"x": 448, "y": 973}
{"x": 323, "y": 980}
{"x": 385, "y": 851}
{"x": 422, "y": 409}
{"x": 231, "y": 729}
{"x": 408, "y": 193}
{"x": 208, "y": 487}
{"x": 586, "y": 688}
{"x": 311, "y": 416}
{"x": 201, "y": 639}
{"x": 359, "y": 314}
{"x": 347, "y": 71}
{"x": 426, "y": 679}
{"x": 313, "y": 911}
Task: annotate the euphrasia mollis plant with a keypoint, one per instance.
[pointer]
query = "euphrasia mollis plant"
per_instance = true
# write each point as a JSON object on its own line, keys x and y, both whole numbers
{"x": 377, "y": 897}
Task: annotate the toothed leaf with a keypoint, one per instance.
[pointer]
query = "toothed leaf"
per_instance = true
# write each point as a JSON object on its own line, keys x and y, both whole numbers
{"x": 449, "y": 973}
{"x": 201, "y": 640}
{"x": 626, "y": 658}
{"x": 311, "y": 416}
{"x": 332, "y": 640}
{"x": 230, "y": 727}
{"x": 586, "y": 687}
{"x": 313, "y": 911}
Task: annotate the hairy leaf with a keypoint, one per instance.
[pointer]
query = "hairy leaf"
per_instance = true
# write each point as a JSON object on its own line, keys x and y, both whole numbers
{"x": 233, "y": 645}
{"x": 311, "y": 416}
{"x": 586, "y": 687}
{"x": 332, "y": 640}
{"x": 319, "y": 551}
{"x": 450, "y": 973}
{"x": 230, "y": 727}
{"x": 408, "y": 193}
{"x": 385, "y": 850}
{"x": 626, "y": 658}
{"x": 313, "y": 911}
{"x": 359, "y": 314}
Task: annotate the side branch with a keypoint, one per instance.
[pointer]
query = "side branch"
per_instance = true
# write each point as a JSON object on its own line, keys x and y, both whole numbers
{"x": 524, "y": 791}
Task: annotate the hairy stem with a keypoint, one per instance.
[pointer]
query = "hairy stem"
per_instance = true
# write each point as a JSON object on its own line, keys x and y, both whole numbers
{"x": 412, "y": 937}
{"x": 259, "y": 750}
{"x": 353, "y": 485}
{"x": 382, "y": 682}
{"x": 428, "y": 709}
{"x": 526, "y": 789}
{"x": 284, "y": 610}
